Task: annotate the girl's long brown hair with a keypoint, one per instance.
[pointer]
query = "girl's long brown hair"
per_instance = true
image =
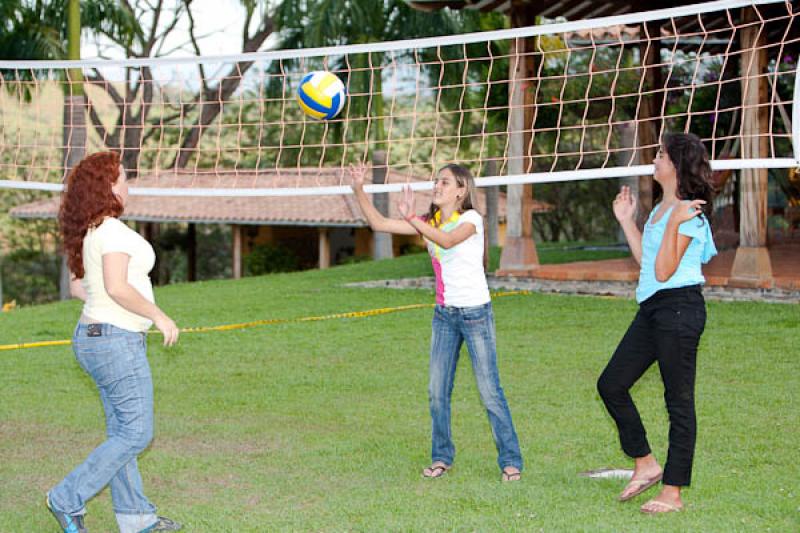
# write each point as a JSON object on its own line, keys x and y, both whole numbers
{"x": 86, "y": 201}
{"x": 690, "y": 158}
{"x": 464, "y": 179}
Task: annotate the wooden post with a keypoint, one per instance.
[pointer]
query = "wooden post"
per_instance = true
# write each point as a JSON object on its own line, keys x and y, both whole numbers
{"x": 529, "y": 72}
{"x": 492, "y": 194}
{"x": 236, "y": 256}
{"x": 629, "y": 156}
{"x": 191, "y": 252}
{"x": 382, "y": 248}
{"x": 649, "y": 126}
{"x": 519, "y": 250}
{"x": 324, "y": 249}
{"x": 751, "y": 266}
{"x": 1, "y": 281}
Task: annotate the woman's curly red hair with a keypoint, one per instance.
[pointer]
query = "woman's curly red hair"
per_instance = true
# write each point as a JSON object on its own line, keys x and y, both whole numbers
{"x": 86, "y": 201}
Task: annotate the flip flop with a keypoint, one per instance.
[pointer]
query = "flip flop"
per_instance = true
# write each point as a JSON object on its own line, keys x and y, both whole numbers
{"x": 641, "y": 486}
{"x": 511, "y": 476}
{"x": 436, "y": 470}
{"x": 665, "y": 507}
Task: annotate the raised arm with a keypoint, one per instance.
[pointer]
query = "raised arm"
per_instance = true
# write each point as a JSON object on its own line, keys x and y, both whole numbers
{"x": 115, "y": 279}
{"x": 624, "y": 211}
{"x": 376, "y": 220}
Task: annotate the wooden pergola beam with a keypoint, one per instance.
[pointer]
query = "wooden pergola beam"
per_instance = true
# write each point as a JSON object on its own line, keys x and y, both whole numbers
{"x": 649, "y": 126}
{"x": 191, "y": 252}
{"x": 236, "y": 255}
{"x": 324, "y": 248}
{"x": 752, "y": 267}
{"x": 519, "y": 250}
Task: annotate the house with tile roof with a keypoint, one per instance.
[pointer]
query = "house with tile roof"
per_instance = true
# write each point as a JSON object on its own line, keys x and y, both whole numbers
{"x": 321, "y": 230}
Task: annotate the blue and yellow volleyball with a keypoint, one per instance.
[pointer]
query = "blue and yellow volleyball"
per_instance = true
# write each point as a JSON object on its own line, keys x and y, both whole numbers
{"x": 321, "y": 95}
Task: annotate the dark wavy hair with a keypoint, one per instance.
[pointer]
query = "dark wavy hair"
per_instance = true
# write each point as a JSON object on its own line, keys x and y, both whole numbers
{"x": 86, "y": 201}
{"x": 690, "y": 158}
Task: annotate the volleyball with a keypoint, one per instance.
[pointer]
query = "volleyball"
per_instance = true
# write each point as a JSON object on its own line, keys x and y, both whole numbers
{"x": 321, "y": 95}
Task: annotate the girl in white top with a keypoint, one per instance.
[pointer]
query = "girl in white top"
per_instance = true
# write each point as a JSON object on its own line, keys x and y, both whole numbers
{"x": 454, "y": 233}
{"x": 110, "y": 263}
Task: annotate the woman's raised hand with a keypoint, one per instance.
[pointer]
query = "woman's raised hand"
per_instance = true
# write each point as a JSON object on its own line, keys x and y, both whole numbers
{"x": 406, "y": 204}
{"x": 358, "y": 174}
{"x": 624, "y": 205}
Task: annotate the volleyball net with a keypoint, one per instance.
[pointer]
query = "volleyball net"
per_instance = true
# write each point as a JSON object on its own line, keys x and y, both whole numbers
{"x": 553, "y": 102}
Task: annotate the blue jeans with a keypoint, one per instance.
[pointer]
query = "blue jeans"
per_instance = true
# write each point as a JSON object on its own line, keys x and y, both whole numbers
{"x": 117, "y": 362}
{"x": 475, "y": 325}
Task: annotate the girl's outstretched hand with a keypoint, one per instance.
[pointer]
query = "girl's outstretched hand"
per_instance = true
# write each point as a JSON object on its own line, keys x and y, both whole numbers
{"x": 624, "y": 205}
{"x": 406, "y": 204}
{"x": 358, "y": 174}
{"x": 686, "y": 211}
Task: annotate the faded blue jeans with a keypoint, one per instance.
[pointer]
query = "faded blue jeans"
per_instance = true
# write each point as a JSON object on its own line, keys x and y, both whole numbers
{"x": 452, "y": 326}
{"x": 117, "y": 362}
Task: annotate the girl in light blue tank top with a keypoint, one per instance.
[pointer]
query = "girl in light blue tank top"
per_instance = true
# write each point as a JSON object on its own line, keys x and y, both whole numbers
{"x": 676, "y": 241}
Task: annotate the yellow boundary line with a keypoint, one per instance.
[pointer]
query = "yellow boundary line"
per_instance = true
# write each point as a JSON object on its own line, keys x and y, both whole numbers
{"x": 267, "y": 322}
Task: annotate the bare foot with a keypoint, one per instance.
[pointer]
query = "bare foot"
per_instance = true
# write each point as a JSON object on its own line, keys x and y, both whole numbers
{"x": 667, "y": 501}
{"x": 646, "y": 473}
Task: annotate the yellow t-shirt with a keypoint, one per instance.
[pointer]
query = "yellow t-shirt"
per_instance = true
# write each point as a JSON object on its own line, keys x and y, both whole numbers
{"x": 112, "y": 235}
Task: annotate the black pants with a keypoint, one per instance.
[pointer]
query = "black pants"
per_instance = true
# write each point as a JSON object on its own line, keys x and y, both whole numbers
{"x": 666, "y": 329}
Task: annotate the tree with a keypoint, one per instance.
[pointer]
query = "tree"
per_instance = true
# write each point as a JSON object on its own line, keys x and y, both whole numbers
{"x": 38, "y": 29}
{"x": 51, "y": 30}
{"x": 321, "y": 23}
{"x": 155, "y": 22}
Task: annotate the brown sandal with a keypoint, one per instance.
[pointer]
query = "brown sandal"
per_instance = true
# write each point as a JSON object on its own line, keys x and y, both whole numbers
{"x": 658, "y": 507}
{"x": 511, "y": 476}
{"x": 436, "y": 470}
{"x": 640, "y": 485}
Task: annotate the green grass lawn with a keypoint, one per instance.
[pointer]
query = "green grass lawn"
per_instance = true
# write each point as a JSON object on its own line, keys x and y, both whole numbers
{"x": 323, "y": 426}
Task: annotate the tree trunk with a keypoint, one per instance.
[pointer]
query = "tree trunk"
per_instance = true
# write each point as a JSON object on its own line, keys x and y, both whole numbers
{"x": 74, "y": 132}
{"x": 210, "y": 100}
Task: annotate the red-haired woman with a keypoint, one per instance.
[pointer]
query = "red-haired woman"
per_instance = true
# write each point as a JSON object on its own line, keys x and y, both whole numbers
{"x": 109, "y": 264}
